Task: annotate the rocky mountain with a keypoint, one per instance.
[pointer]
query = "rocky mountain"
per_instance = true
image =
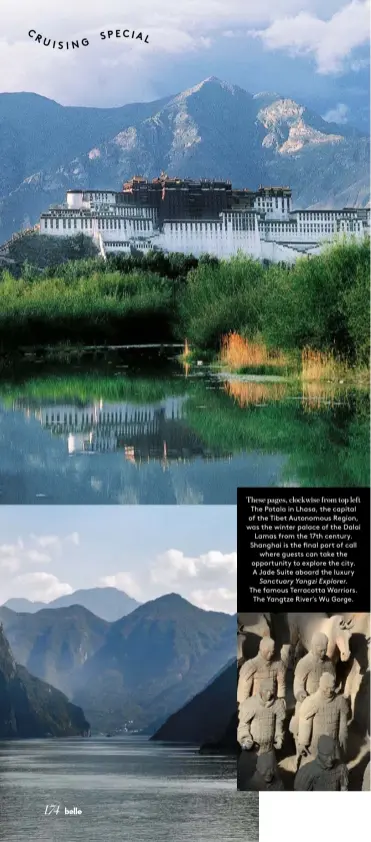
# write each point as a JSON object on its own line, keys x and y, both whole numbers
{"x": 142, "y": 667}
{"x": 212, "y": 130}
{"x": 204, "y": 719}
{"x": 30, "y": 707}
{"x": 108, "y": 603}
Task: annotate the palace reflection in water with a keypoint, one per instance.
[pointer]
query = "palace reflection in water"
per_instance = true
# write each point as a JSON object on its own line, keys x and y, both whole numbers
{"x": 143, "y": 433}
{"x": 151, "y": 437}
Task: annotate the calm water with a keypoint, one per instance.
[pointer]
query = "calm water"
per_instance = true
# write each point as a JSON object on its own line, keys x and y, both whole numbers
{"x": 147, "y": 430}
{"x": 127, "y": 789}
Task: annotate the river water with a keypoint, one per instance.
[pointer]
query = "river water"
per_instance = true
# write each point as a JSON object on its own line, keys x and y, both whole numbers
{"x": 127, "y": 789}
{"x": 141, "y": 428}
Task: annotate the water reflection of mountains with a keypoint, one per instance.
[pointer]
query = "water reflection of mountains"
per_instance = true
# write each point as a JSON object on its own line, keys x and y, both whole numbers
{"x": 144, "y": 433}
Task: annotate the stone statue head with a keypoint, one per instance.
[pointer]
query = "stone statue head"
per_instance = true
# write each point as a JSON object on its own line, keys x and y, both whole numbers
{"x": 326, "y": 751}
{"x": 266, "y": 648}
{"x": 327, "y": 685}
{"x": 266, "y": 691}
{"x": 319, "y": 645}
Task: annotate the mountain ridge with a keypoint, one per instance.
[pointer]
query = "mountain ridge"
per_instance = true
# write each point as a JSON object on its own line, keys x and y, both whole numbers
{"x": 108, "y": 603}
{"x": 141, "y": 667}
{"x": 212, "y": 130}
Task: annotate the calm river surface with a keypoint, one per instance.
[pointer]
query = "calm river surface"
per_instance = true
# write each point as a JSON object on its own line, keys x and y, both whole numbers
{"x": 141, "y": 428}
{"x": 127, "y": 789}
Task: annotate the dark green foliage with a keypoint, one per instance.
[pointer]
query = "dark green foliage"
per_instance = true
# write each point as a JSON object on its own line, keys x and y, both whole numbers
{"x": 34, "y": 251}
{"x": 321, "y": 302}
{"x": 222, "y": 297}
{"x": 31, "y": 708}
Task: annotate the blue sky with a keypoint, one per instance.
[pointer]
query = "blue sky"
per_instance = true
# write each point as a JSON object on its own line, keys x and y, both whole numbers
{"x": 144, "y": 550}
{"x": 314, "y": 51}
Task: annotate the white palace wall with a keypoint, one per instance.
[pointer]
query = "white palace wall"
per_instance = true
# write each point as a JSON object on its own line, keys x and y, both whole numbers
{"x": 270, "y": 230}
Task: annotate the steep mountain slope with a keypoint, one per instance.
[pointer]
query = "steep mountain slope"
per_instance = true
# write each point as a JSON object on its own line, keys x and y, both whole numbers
{"x": 141, "y": 667}
{"x": 153, "y": 661}
{"x": 38, "y": 133}
{"x": 213, "y": 130}
{"x": 108, "y": 603}
{"x": 54, "y": 643}
{"x": 205, "y": 717}
{"x": 31, "y": 708}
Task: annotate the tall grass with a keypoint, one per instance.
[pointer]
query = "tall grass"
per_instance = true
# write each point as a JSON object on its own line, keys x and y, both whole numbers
{"x": 320, "y": 365}
{"x": 321, "y": 303}
{"x": 239, "y": 353}
{"x": 88, "y": 308}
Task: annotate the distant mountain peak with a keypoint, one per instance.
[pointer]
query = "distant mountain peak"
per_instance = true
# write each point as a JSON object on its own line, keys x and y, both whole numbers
{"x": 212, "y": 82}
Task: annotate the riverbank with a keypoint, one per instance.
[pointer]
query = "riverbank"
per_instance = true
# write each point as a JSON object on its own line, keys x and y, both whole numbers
{"x": 248, "y": 316}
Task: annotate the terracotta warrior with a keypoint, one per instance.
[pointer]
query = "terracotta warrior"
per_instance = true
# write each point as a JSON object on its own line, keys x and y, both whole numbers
{"x": 261, "y": 719}
{"x": 266, "y": 776}
{"x": 325, "y": 773}
{"x": 262, "y": 667}
{"x": 310, "y": 668}
{"x": 308, "y": 673}
{"x": 322, "y": 713}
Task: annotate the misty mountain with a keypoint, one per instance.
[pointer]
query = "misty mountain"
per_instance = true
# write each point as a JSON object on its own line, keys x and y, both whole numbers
{"x": 206, "y": 716}
{"x": 213, "y": 130}
{"x": 30, "y": 707}
{"x": 54, "y": 643}
{"x": 108, "y": 603}
{"x": 142, "y": 667}
{"x": 153, "y": 661}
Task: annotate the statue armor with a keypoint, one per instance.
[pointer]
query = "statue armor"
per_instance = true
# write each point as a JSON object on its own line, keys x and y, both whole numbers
{"x": 261, "y": 723}
{"x": 306, "y": 680}
{"x": 253, "y": 672}
{"x": 319, "y": 715}
{"x": 314, "y": 778}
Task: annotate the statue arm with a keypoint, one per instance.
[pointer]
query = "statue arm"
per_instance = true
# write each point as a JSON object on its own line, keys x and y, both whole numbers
{"x": 305, "y": 725}
{"x": 280, "y": 719}
{"x": 300, "y": 677}
{"x": 281, "y": 681}
{"x": 343, "y": 725}
{"x": 344, "y": 781}
{"x": 245, "y": 681}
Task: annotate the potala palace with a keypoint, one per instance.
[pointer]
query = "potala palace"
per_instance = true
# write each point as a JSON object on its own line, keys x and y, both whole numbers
{"x": 198, "y": 217}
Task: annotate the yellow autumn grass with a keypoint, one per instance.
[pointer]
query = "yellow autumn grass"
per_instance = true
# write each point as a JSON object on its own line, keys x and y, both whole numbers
{"x": 253, "y": 394}
{"x": 320, "y": 365}
{"x": 237, "y": 352}
{"x": 318, "y": 395}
